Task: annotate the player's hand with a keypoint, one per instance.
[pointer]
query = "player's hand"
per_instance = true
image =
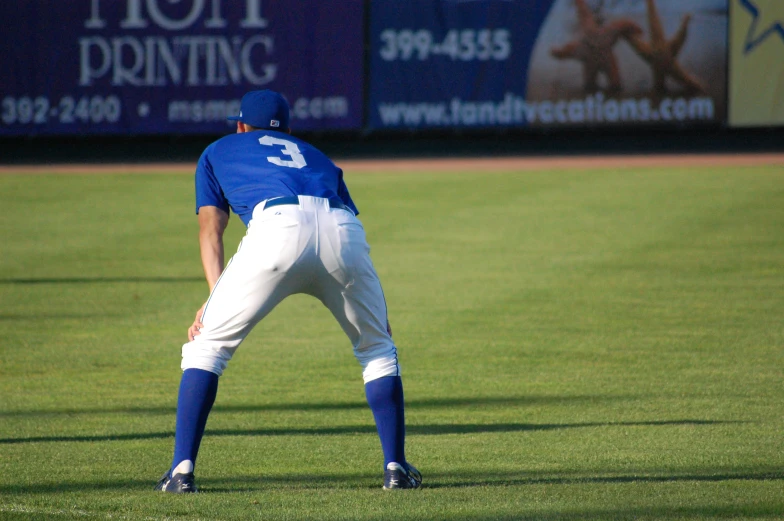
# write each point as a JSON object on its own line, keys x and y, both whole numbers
{"x": 195, "y": 329}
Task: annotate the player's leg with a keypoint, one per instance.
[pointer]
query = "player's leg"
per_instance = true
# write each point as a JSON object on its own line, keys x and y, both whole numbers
{"x": 381, "y": 373}
{"x": 351, "y": 290}
{"x": 198, "y": 389}
{"x": 256, "y": 279}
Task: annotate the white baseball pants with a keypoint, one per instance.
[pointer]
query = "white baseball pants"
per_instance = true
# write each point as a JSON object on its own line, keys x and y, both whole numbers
{"x": 307, "y": 248}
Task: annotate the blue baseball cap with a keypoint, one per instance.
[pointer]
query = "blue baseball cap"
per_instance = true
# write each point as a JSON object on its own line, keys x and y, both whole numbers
{"x": 265, "y": 109}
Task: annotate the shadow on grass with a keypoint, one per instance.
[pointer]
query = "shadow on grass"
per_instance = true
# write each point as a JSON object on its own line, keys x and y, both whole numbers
{"x": 425, "y": 430}
{"x": 509, "y": 401}
{"x": 478, "y": 479}
{"x": 755, "y": 511}
{"x": 58, "y": 316}
{"x": 638, "y": 514}
{"x": 256, "y": 483}
{"x": 100, "y": 280}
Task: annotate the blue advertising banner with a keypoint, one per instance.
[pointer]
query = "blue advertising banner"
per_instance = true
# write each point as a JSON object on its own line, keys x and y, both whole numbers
{"x": 547, "y": 63}
{"x": 93, "y": 67}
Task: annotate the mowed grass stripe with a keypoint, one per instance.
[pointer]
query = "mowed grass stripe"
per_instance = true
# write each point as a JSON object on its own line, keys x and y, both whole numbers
{"x": 575, "y": 345}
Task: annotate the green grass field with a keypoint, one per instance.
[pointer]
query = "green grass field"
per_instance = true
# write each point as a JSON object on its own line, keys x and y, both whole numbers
{"x": 591, "y": 345}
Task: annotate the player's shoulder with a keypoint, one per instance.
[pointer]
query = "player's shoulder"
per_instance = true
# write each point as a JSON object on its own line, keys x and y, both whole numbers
{"x": 229, "y": 140}
{"x": 227, "y": 144}
{"x": 209, "y": 148}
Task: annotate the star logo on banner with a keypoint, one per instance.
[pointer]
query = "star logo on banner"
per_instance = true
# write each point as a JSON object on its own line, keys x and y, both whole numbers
{"x": 768, "y": 19}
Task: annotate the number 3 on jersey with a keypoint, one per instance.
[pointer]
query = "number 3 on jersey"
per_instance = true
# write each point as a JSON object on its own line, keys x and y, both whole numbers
{"x": 289, "y": 149}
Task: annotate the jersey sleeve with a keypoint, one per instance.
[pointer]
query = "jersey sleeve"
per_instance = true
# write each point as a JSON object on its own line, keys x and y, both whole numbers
{"x": 208, "y": 190}
{"x": 343, "y": 193}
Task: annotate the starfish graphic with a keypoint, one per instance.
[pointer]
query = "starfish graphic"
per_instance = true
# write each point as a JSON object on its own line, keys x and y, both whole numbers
{"x": 661, "y": 53}
{"x": 769, "y": 14}
{"x": 593, "y": 47}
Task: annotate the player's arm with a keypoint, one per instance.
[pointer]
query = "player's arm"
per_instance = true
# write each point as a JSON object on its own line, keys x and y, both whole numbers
{"x": 212, "y": 224}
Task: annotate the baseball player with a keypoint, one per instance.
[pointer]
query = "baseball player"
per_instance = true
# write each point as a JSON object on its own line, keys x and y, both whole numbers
{"x": 303, "y": 236}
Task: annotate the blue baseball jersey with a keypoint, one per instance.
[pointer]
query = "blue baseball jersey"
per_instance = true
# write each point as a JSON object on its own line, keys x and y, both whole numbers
{"x": 239, "y": 171}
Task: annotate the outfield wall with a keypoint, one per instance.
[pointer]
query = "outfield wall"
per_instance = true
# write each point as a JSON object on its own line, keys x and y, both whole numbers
{"x": 156, "y": 67}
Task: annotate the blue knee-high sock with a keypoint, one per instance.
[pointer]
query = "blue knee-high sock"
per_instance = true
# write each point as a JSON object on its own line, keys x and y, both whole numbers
{"x": 385, "y": 397}
{"x": 197, "y": 394}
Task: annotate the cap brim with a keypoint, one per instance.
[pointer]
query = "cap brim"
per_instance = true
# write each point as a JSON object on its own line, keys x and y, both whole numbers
{"x": 234, "y": 118}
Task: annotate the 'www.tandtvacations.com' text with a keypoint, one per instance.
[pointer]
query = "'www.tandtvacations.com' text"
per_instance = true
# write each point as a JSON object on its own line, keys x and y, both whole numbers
{"x": 516, "y": 110}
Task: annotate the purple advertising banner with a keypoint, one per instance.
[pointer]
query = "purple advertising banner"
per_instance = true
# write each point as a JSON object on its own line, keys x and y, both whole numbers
{"x": 547, "y": 63}
{"x": 108, "y": 67}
